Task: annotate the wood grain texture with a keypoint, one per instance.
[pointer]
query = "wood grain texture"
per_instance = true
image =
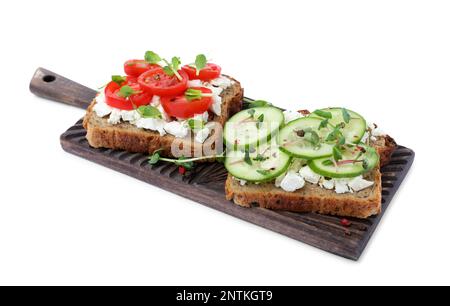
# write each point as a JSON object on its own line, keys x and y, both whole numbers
{"x": 52, "y": 86}
{"x": 205, "y": 184}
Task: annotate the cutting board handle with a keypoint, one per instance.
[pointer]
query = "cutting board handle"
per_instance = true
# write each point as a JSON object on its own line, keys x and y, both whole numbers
{"x": 52, "y": 86}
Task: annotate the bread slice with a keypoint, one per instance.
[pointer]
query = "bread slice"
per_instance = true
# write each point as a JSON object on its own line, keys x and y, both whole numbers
{"x": 125, "y": 136}
{"x": 310, "y": 198}
{"x": 385, "y": 146}
{"x": 313, "y": 198}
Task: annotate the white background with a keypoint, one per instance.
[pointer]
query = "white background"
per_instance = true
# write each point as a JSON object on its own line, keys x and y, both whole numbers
{"x": 65, "y": 220}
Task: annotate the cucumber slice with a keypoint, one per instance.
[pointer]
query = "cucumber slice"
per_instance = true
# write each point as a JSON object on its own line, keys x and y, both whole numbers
{"x": 325, "y": 167}
{"x": 354, "y": 130}
{"x": 252, "y": 127}
{"x": 263, "y": 164}
{"x": 293, "y": 143}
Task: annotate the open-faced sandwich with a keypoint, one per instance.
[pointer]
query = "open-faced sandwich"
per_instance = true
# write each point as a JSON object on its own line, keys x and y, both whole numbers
{"x": 327, "y": 161}
{"x": 160, "y": 105}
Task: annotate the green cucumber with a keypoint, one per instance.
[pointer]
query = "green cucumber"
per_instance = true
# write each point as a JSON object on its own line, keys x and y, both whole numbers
{"x": 293, "y": 141}
{"x": 354, "y": 130}
{"x": 252, "y": 127}
{"x": 263, "y": 164}
{"x": 325, "y": 166}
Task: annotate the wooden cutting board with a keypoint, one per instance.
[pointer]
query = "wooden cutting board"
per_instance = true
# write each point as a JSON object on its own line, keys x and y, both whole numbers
{"x": 205, "y": 184}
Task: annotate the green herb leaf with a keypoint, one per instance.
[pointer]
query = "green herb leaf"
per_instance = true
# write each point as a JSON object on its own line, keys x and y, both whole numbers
{"x": 327, "y": 162}
{"x": 168, "y": 71}
{"x": 260, "y": 121}
{"x": 370, "y": 153}
{"x": 312, "y": 137}
{"x": 220, "y": 159}
{"x": 341, "y": 141}
{"x": 260, "y": 158}
{"x": 334, "y": 134}
{"x": 247, "y": 158}
{"x": 193, "y": 94}
{"x": 187, "y": 165}
{"x": 323, "y": 114}
{"x": 154, "y": 158}
{"x": 365, "y": 163}
{"x": 345, "y": 115}
{"x": 251, "y": 112}
{"x": 118, "y": 79}
{"x": 172, "y": 68}
{"x": 257, "y": 103}
{"x": 176, "y": 62}
{"x": 151, "y": 57}
{"x": 263, "y": 172}
{"x": 148, "y": 111}
{"x": 337, "y": 154}
{"x": 323, "y": 124}
{"x": 200, "y": 63}
{"x": 126, "y": 91}
{"x": 196, "y": 124}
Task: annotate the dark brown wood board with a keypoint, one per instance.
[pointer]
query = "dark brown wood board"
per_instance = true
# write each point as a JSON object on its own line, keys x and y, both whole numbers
{"x": 205, "y": 184}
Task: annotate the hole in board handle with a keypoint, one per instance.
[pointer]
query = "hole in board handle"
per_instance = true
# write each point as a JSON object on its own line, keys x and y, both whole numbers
{"x": 48, "y": 78}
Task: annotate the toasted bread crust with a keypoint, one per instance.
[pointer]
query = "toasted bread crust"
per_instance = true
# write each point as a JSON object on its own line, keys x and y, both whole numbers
{"x": 385, "y": 146}
{"x": 311, "y": 198}
{"x": 125, "y": 136}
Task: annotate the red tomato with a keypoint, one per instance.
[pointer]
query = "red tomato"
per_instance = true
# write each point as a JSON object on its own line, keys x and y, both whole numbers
{"x": 134, "y": 101}
{"x": 157, "y": 82}
{"x": 181, "y": 107}
{"x": 135, "y": 67}
{"x": 211, "y": 71}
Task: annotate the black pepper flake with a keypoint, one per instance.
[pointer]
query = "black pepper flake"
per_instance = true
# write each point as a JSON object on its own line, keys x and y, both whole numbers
{"x": 300, "y": 133}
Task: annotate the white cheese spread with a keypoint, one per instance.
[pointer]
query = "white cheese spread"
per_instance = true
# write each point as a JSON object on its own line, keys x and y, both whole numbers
{"x": 201, "y": 135}
{"x": 340, "y": 186}
{"x": 292, "y": 181}
{"x": 358, "y": 183}
{"x": 215, "y": 90}
{"x": 327, "y": 184}
{"x": 101, "y": 108}
{"x": 195, "y": 83}
{"x": 309, "y": 175}
{"x": 115, "y": 116}
{"x": 216, "y": 106}
{"x": 279, "y": 179}
{"x": 130, "y": 116}
{"x": 222, "y": 82}
{"x": 201, "y": 117}
{"x": 298, "y": 173}
{"x": 154, "y": 124}
{"x": 176, "y": 128}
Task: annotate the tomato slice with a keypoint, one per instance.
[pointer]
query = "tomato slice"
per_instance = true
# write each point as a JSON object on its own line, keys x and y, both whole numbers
{"x": 157, "y": 82}
{"x": 113, "y": 98}
{"x": 136, "y": 67}
{"x": 211, "y": 71}
{"x": 181, "y": 107}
